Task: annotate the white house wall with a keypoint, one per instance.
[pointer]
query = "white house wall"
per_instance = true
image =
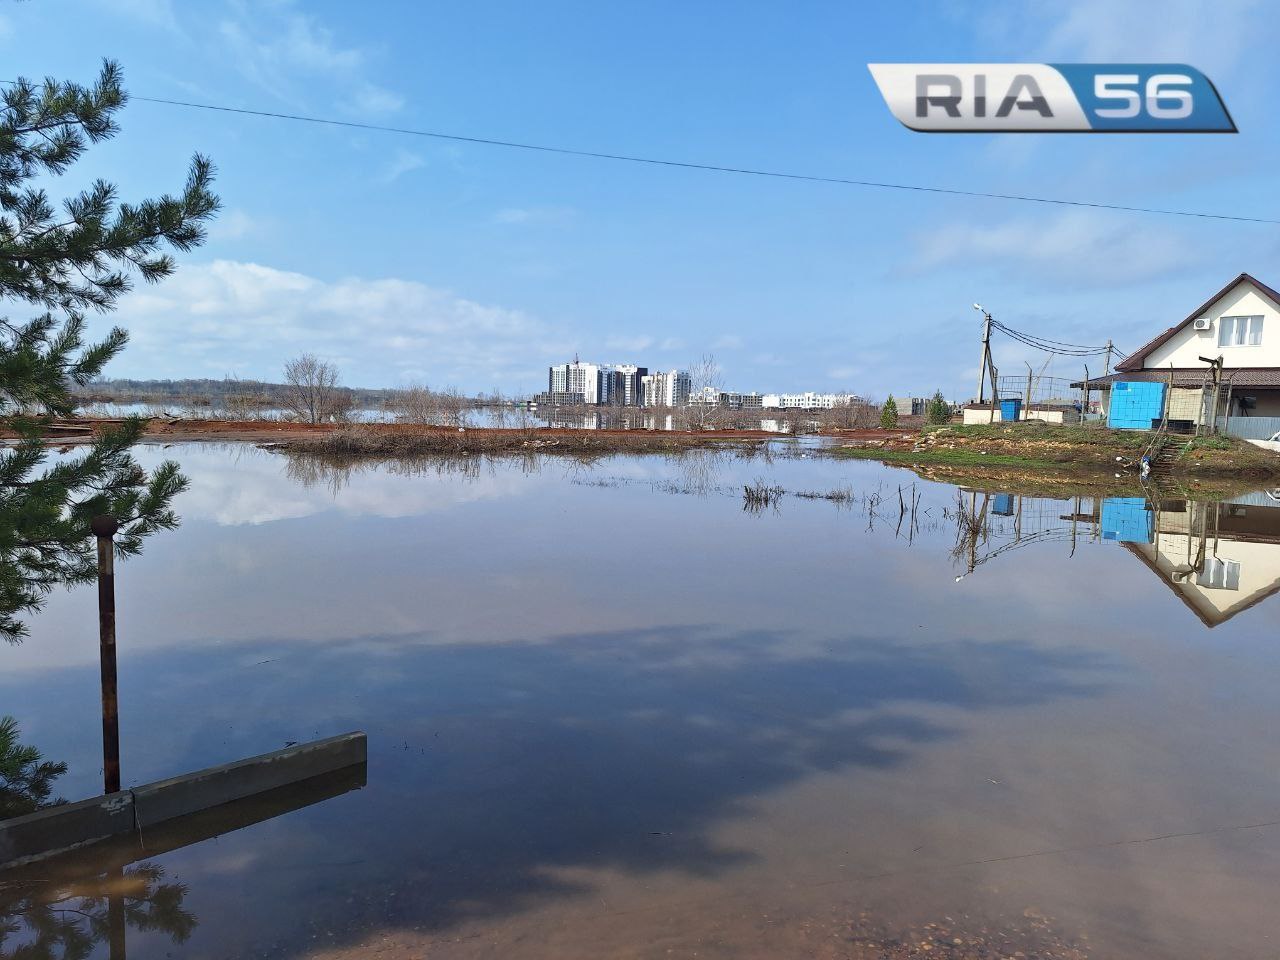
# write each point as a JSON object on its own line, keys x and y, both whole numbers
{"x": 1187, "y": 346}
{"x": 1259, "y": 570}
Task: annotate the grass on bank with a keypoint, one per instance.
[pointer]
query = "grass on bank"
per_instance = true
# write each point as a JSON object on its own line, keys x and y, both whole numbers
{"x": 959, "y": 457}
{"x": 1076, "y": 434}
{"x": 1091, "y": 448}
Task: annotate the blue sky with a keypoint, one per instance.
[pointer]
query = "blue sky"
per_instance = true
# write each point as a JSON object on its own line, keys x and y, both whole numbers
{"x": 406, "y": 259}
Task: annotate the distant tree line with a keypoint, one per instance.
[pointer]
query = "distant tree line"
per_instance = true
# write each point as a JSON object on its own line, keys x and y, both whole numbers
{"x": 207, "y": 392}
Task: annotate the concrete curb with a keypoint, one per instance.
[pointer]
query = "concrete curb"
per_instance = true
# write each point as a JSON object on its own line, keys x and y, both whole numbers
{"x": 58, "y": 829}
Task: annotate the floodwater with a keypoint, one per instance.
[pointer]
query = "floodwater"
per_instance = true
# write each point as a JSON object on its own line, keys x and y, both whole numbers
{"x": 608, "y": 418}
{"x": 611, "y": 713}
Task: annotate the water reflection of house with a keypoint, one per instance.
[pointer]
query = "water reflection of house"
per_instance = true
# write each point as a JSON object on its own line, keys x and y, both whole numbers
{"x": 1218, "y": 558}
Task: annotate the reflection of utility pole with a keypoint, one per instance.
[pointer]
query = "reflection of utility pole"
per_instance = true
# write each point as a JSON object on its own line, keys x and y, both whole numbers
{"x": 115, "y": 914}
{"x": 104, "y": 528}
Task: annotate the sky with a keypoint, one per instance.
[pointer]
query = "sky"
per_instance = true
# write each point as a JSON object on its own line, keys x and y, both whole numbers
{"x": 405, "y": 259}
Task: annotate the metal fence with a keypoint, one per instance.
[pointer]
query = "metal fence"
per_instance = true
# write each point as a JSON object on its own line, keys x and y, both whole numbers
{"x": 1035, "y": 390}
{"x": 1250, "y": 428}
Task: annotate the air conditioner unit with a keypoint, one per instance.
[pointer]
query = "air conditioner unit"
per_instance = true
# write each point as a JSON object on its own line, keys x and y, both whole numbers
{"x": 1204, "y": 323}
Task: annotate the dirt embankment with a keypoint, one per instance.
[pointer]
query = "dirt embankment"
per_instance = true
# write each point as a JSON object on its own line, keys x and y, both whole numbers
{"x": 1069, "y": 455}
{"x": 404, "y": 439}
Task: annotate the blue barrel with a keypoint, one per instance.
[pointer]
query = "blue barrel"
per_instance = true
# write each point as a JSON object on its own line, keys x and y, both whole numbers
{"x": 1010, "y": 411}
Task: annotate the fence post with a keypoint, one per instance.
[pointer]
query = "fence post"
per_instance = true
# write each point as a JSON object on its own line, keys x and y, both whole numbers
{"x": 104, "y": 528}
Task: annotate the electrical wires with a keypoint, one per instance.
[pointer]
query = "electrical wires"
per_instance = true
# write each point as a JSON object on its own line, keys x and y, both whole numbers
{"x": 710, "y": 167}
{"x": 1056, "y": 347}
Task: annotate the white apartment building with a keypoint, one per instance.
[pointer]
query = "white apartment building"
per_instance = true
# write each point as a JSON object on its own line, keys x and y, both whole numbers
{"x": 576, "y": 377}
{"x": 665, "y": 389}
{"x": 808, "y": 401}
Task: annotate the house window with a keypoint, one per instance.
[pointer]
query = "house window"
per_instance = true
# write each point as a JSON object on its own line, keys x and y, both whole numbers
{"x": 1219, "y": 574}
{"x": 1239, "y": 331}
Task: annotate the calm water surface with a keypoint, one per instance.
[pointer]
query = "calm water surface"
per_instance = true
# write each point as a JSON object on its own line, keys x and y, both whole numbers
{"x": 612, "y": 714}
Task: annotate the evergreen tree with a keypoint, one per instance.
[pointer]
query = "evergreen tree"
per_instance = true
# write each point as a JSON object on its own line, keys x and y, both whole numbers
{"x": 939, "y": 410}
{"x": 26, "y": 778}
{"x": 889, "y": 414}
{"x": 64, "y": 262}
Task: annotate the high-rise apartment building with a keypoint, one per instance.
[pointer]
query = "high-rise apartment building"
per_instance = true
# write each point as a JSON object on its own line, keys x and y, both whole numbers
{"x": 665, "y": 389}
{"x": 576, "y": 377}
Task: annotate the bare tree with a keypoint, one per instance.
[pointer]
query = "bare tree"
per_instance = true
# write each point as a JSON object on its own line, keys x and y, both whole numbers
{"x": 705, "y": 383}
{"x": 312, "y": 391}
{"x": 416, "y": 403}
{"x": 456, "y": 407}
{"x": 498, "y": 405}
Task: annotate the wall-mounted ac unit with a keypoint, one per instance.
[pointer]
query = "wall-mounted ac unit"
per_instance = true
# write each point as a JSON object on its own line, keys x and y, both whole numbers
{"x": 1204, "y": 323}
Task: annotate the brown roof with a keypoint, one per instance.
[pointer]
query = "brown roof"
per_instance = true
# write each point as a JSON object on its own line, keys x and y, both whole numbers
{"x": 1135, "y": 359}
{"x": 1258, "y": 378}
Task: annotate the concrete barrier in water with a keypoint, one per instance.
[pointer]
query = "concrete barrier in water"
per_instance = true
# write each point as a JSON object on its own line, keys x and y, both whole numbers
{"x": 58, "y": 829}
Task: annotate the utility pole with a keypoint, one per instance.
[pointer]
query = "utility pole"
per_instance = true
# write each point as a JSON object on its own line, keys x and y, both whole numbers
{"x": 1110, "y": 347}
{"x": 104, "y": 528}
{"x": 986, "y": 351}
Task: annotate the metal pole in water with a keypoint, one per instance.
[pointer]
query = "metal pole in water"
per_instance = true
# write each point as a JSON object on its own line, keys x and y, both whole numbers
{"x": 104, "y": 528}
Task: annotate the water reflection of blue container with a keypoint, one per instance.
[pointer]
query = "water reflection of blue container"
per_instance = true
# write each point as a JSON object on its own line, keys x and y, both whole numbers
{"x": 1010, "y": 411}
{"x": 1127, "y": 520}
{"x": 1002, "y": 504}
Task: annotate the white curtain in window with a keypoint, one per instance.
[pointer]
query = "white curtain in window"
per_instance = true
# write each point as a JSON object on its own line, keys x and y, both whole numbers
{"x": 1239, "y": 331}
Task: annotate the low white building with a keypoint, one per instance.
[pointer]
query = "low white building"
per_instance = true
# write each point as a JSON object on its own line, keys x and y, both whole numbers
{"x": 807, "y": 401}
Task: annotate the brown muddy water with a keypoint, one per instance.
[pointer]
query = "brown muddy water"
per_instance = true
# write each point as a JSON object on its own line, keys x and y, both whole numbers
{"x": 611, "y": 713}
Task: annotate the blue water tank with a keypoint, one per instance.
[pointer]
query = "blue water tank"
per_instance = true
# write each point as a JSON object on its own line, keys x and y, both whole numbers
{"x": 1010, "y": 411}
{"x": 1135, "y": 404}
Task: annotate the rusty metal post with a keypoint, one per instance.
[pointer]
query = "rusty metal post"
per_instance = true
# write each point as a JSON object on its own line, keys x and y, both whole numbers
{"x": 104, "y": 528}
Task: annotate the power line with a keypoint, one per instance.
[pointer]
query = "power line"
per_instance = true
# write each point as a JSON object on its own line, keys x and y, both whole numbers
{"x": 710, "y": 167}
{"x": 1052, "y": 346}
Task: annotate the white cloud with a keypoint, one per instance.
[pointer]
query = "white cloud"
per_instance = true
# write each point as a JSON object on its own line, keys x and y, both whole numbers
{"x": 727, "y": 341}
{"x": 533, "y": 215}
{"x": 228, "y": 315}
{"x": 156, "y": 13}
{"x": 403, "y": 161}
{"x": 1213, "y": 34}
{"x": 671, "y": 343}
{"x": 634, "y": 344}
{"x": 279, "y": 49}
{"x": 1078, "y": 247}
{"x": 371, "y": 98}
{"x": 233, "y": 225}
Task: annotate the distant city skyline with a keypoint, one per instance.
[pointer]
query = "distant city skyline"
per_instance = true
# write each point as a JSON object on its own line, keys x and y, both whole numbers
{"x": 630, "y": 385}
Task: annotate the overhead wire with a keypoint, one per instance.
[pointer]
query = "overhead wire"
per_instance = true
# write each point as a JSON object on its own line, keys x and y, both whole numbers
{"x": 691, "y": 165}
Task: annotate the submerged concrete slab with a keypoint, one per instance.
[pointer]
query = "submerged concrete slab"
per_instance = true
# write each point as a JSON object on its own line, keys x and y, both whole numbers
{"x": 66, "y": 826}
{"x": 192, "y": 792}
{"x": 117, "y": 852}
{"x": 70, "y": 826}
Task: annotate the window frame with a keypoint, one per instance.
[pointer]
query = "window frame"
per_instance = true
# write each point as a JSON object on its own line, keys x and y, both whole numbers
{"x": 1219, "y": 573}
{"x": 1246, "y": 330}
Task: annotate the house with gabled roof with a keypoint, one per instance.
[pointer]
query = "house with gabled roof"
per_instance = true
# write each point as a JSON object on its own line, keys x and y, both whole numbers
{"x": 1219, "y": 559}
{"x": 1241, "y": 325}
